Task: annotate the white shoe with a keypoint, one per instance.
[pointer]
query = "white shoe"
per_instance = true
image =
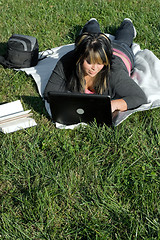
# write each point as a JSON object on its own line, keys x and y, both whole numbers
{"x": 135, "y": 32}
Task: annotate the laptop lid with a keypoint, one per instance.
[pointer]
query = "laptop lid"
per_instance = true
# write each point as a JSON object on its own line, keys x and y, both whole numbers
{"x": 72, "y": 108}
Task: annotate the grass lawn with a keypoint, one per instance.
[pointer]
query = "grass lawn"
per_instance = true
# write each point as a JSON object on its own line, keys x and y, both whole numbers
{"x": 88, "y": 183}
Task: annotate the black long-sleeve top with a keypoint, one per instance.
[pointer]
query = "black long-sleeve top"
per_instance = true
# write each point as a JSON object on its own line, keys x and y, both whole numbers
{"x": 121, "y": 86}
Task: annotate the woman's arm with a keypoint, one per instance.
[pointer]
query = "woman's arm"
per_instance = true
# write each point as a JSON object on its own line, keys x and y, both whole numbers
{"x": 125, "y": 92}
{"x": 56, "y": 81}
{"x": 60, "y": 74}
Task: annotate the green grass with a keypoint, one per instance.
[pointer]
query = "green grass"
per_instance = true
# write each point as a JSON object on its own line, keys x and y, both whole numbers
{"x": 87, "y": 183}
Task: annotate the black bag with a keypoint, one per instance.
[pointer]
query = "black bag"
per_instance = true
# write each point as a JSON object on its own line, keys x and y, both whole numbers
{"x": 22, "y": 52}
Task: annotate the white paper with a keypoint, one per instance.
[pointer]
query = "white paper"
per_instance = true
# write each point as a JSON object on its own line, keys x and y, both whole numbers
{"x": 10, "y": 108}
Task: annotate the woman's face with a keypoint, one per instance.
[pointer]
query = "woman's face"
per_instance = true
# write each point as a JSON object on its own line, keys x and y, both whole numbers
{"x": 91, "y": 69}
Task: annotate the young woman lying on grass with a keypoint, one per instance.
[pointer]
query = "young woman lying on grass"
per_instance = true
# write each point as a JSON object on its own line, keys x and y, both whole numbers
{"x": 100, "y": 66}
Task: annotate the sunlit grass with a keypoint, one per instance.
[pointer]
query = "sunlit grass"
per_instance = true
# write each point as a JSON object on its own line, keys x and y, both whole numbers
{"x": 88, "y": 183}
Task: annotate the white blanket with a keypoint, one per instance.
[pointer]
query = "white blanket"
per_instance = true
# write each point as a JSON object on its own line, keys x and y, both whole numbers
{"x": 146, "y": 74}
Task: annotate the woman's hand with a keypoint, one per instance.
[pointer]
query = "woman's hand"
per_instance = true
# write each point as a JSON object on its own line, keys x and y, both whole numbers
{"x": 118, "y": 105}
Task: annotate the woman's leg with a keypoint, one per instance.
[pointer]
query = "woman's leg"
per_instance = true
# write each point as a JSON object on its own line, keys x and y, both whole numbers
{"x": 124, "y": 39}
{"x": 92, "y": 26}
{"x": 126, "y": 32}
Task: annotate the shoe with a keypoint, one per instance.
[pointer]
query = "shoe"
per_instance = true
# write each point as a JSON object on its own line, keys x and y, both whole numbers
{"x": 92, "y": 26}
{"x": 135, "y": 32}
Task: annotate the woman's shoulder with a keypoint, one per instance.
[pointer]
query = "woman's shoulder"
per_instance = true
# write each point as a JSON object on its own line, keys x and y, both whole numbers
{"x": 66, "y": 58}
{"x": 118, "y": 72}
{"x": 65, "y": 63}
{"x": 118, "y": 68}
{"x": 116, "y": 62}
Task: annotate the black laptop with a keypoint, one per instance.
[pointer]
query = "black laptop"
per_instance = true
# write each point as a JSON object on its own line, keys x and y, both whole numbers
{"x": 73, "y": 108}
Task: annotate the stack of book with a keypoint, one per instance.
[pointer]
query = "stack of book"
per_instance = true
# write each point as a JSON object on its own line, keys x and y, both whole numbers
{"x": 14, "y": 118}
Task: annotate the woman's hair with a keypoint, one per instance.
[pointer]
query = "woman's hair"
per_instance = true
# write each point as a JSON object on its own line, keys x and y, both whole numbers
{"x": 95, "y": 48}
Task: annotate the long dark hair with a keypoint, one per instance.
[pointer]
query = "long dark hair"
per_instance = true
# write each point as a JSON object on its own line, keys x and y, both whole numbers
{"x": 95, "y": 48}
